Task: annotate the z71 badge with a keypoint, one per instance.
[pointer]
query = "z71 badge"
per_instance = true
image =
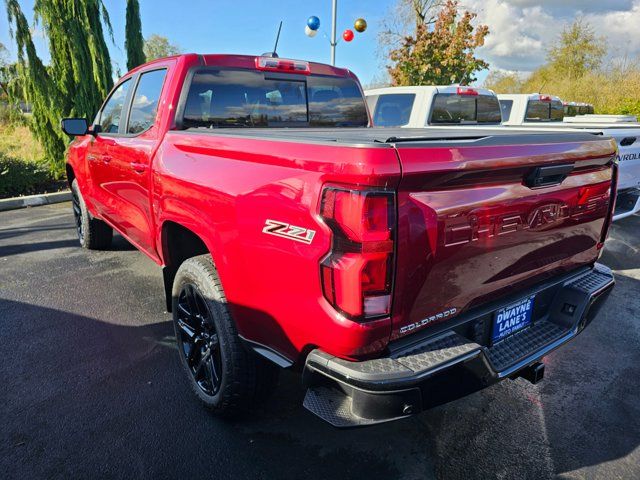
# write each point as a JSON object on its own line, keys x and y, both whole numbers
{"x": 285, "y": 230}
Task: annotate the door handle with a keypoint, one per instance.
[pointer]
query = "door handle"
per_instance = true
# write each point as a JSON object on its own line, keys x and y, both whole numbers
{"x": 91, "y": 158}
{"x": 139, "y": 167}
{"x": 106, "y": 158}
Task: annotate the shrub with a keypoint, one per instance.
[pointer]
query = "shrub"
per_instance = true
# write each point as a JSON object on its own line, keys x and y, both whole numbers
{"x": 22, "y": 170}
{"x": 18, "y": 177}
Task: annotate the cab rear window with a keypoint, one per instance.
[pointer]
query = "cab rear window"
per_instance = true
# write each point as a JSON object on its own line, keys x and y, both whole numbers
{"x": 544, "y": 111}
{"x": 451, "y": 108}
{"x": 246, "y": 98}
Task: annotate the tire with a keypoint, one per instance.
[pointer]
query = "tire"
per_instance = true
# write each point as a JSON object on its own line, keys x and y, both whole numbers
{"x": 226, "y": 377}
{"x": 93, "y": 234}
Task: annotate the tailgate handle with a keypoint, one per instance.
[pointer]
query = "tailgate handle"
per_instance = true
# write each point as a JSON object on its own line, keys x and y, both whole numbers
{"x": 548, "y": 176}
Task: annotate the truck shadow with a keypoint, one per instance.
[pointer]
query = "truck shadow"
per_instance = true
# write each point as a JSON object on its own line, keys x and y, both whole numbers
{"x": 119, "y": 245}
{"x": 82, "y": 396}
{"x": 79, "y": 393}
{"x": 622, "y": 250}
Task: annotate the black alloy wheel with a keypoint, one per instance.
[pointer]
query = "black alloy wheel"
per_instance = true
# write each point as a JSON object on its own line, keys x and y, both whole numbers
{"x": 92, "y": 232}
{"x": 199, "y": 341}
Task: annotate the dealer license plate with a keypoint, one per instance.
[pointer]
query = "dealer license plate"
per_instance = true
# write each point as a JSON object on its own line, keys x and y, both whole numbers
{"x": 509, "y": 320}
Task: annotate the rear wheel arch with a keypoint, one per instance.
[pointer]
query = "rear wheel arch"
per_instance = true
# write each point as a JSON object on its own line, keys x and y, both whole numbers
{"x": 178, "y": 243}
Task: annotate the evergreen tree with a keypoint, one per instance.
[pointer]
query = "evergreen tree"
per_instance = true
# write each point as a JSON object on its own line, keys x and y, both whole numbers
{"x": 134, "y": 43}
{"x": 79, "y": 76}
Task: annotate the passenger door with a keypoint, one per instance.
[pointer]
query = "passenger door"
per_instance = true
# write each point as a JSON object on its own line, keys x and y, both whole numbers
{"x": 130, "y": 176}
{"x": 99, "y": 153}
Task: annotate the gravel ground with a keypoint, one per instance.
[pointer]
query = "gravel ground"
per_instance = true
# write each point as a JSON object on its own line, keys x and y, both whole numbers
{"x": 91, "y": 387}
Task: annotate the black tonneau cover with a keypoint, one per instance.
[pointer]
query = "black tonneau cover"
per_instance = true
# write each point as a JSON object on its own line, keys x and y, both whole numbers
{"x": 400, "y": 136}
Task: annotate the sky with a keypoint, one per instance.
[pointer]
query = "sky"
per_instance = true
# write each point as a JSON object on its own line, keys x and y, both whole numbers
{"x": 520, "y": 29}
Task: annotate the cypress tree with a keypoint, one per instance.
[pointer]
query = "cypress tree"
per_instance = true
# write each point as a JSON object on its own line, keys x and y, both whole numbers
{"x": 134, "y": 43}
{"x": 79, "y": 75}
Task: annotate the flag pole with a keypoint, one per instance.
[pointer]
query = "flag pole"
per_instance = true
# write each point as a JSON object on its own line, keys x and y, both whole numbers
{"x": 334, "y": 12}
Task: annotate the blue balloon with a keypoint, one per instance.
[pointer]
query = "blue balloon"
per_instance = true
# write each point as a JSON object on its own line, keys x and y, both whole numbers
{"x": 313, "y": 22}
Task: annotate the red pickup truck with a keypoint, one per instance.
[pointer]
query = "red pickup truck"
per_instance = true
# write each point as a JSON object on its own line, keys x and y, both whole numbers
{"x": 397, "y": 269}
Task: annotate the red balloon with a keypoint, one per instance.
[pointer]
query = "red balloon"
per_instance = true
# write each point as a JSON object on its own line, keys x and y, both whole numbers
{"x": 347, "y": 35}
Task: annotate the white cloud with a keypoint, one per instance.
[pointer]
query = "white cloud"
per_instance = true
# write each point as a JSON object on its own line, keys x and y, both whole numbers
{"x": 621, "y": 29}
{"x": 522, "y": 30}
{"x": 584, "y": 6}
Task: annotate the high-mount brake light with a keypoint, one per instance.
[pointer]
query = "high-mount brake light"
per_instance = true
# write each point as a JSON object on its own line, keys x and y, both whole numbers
{"x": 273, "y": 64}
{"x": 544, "y": 98}
{"x": 466, "y": 91}
{"x": 357, "y": 274}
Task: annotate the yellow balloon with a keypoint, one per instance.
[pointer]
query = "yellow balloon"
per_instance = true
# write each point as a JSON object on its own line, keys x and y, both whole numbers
{"x": 360, "y": 25}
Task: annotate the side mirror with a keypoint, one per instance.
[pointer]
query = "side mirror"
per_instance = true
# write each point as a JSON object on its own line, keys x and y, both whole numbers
{"x": 74, "y": 127}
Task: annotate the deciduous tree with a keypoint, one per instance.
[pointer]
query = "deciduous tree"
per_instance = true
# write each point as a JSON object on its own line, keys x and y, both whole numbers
{"x": 157, "y": 46}
{"x": 441, "y": 53}
{"x": 403, "y": 18}
{"x": 579, "y": 51}
{"x": 503, "y": 82}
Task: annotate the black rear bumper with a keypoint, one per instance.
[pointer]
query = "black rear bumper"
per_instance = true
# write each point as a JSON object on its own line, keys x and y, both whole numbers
{"x": 452, "y": 363}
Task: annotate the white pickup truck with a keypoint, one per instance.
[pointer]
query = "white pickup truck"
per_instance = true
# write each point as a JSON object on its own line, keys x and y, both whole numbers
{"x": 432, "y": 105}
{"x": 536, "y": 111}
{"x": 437, "y": 106}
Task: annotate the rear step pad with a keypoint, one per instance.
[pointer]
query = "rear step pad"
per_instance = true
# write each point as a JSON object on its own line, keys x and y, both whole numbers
{"x": 516, "y": 347}
{"x": 334, "y": 407}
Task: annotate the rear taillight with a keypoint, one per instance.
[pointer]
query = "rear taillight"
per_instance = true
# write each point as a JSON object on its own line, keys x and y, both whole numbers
{"x": 357, "y": 274}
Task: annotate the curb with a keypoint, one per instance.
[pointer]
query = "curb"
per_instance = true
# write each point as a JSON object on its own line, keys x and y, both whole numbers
{"x": 34, "y": 200}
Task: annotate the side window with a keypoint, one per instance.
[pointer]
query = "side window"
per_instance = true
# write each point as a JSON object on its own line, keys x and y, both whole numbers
{"x": 393, "y": 110}
{"x": 112, "y": 111}
{"x": 145, "y": 101}
{"x": 506, "y": 106}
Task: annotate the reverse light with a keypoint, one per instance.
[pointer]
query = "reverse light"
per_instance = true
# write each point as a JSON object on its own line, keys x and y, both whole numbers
{"x": 466, "y": 91}
{"x": 357, "y": 273}
{"x": 274, "y": 64}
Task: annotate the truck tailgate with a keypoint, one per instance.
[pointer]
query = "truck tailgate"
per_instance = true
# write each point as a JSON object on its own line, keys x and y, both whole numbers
{"x": 474, "y": 224}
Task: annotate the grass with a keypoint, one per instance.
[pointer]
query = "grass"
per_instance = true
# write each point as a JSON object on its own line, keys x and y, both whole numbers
{"x": 18, "y": 142}
{"x": 22, "y": 170}
{"x": 611, "y": 90}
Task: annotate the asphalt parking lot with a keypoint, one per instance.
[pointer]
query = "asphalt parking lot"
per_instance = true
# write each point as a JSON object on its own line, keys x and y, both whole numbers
{"x": 90, "y": 387}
